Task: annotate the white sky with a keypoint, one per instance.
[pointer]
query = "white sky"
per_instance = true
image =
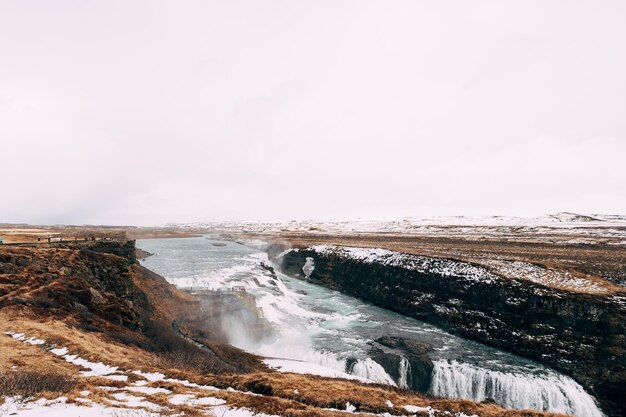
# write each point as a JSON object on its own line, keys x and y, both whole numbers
{"x": 146, "y": 112}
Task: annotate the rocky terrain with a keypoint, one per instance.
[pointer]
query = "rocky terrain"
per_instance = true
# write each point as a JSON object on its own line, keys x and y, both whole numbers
{"x": 404, "y": 360}
{"x": 87, "y": 331}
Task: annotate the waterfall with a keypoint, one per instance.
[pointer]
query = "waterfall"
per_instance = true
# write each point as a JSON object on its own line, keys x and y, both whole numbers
{"x": 325, "y": 359}
{"x": 372, "y": 371}
{"x": 551, "y": 392}
{"x": 405, "y": 371}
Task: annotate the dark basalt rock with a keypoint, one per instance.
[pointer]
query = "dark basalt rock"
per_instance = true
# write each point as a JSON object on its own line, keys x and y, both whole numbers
{"x": 581, "y": 335}
{"x": 389, "y": 352}
{"x": 413, "y": 347}
{"x": 122, "y": 249}
{"x": 268, "y": 269}
{"x": 142, "y": 254}
{"x": 23, "y": 262}
{"x": 8, "y": 268}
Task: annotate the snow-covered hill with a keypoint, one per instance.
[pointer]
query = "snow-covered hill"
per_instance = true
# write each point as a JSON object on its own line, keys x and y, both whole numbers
{"x": 564, "y": 227}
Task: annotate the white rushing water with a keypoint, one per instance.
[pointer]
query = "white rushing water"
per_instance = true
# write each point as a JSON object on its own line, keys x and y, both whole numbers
{"x": 551, "y": 392}
{"x": 404, "y": 371}
{"x": 315, "y": 330}
{"x": 372, "y": 371}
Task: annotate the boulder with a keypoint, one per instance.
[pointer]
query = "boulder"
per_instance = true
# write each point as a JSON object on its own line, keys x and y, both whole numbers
{"x": 405, "y": 360}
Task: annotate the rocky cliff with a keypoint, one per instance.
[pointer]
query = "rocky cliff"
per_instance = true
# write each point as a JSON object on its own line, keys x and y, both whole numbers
{"x": 98, "y": 286}
{"x": 582, "y": 335}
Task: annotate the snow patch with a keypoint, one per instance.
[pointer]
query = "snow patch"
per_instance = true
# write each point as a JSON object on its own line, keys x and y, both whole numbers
{"x": 150, "y": 376}
{"x": 22, "y": 337}
{"x": 178, "y": 399}
{"x": 95, "y": 368}
{"x": 133, "y": 401}
{"x": 444, "y": 267}
{"x": 543, "y": 276}
{"x": 59, "y": 351}
{"x": 59, "y": 407}
{"x": 148, "y": 390}
{"x": 189, "y": 399}
{"x": 225, "y": 411}
{"x": 417, "y": 409}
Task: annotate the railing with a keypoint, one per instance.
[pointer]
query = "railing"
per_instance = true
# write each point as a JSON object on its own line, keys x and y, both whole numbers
{"x": 69, "y": 239}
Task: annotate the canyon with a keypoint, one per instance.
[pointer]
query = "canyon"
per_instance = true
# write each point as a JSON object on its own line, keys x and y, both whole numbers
{"x": 580, "y": 333}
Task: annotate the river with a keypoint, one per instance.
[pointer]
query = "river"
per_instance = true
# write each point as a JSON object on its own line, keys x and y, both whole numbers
{"x": 312, "y": 329}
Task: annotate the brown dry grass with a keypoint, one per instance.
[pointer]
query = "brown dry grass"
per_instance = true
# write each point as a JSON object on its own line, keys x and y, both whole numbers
{"x": 314, "y": 394}
{"x": 91, "y": 346}
{"x": 96, "y": 347}
{"x": 27, "y": 383}
{"x": 318, "y": 393}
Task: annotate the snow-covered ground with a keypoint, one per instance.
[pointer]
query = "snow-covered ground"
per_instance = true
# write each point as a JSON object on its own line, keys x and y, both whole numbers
{"x": 564, "y": 227}
{"x": 126, "y": 401}
{"x": 444, "y": 267}
{"x": 548, "y": 277}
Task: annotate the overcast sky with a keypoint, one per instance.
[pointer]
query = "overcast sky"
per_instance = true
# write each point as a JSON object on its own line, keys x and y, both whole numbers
{"x": 146, "y": 112}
